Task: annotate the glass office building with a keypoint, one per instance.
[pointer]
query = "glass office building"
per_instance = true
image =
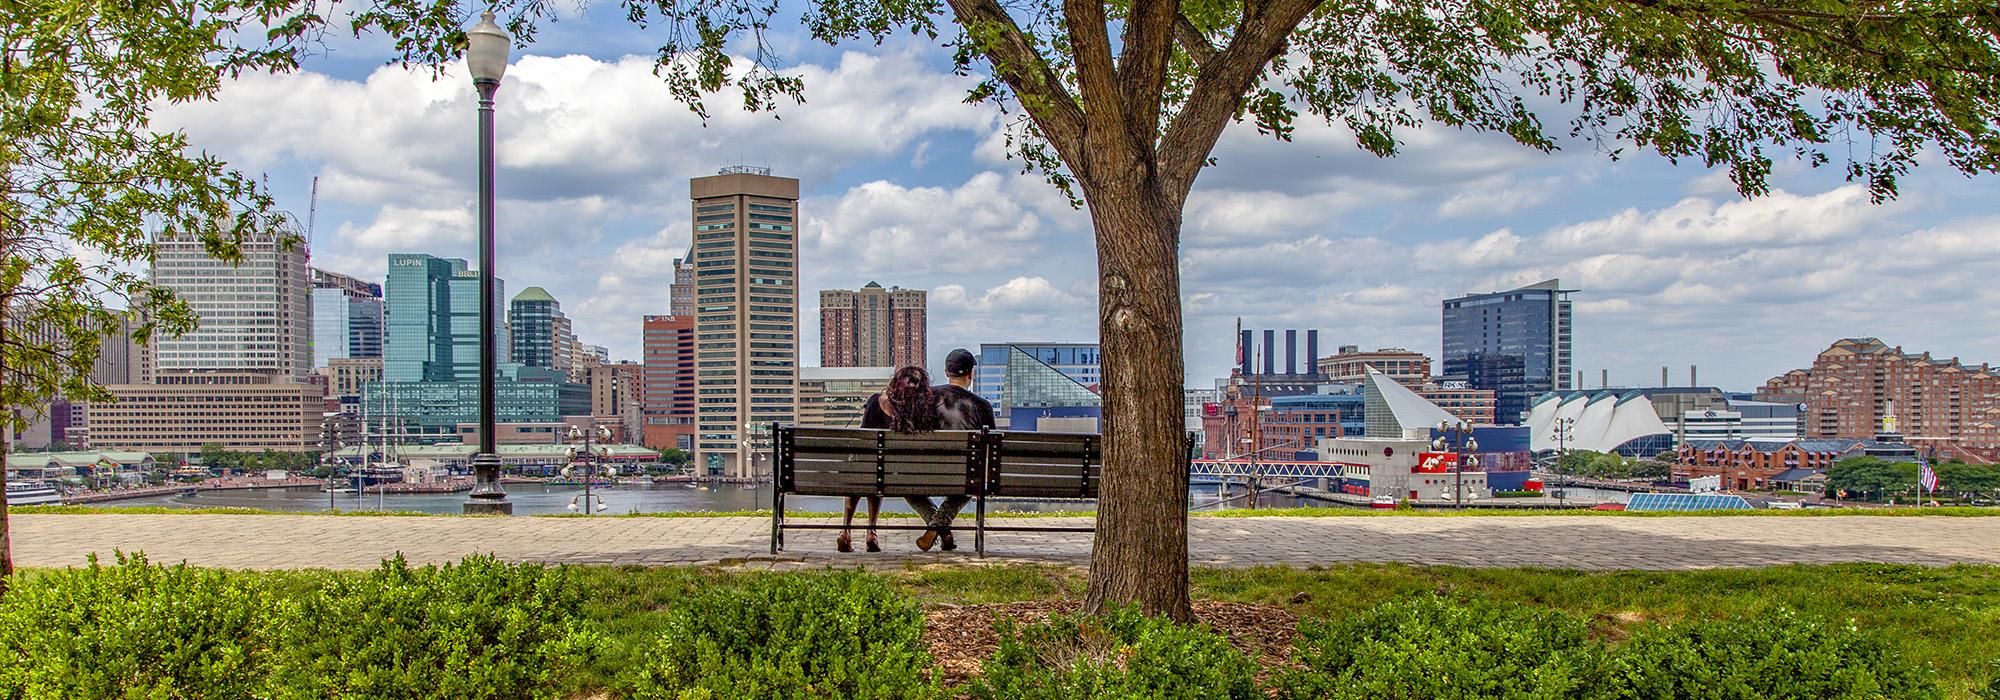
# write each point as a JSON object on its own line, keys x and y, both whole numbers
{"x": 1077, "y": 361}
{"x": 1516, "y": 343}
{"x": 430, "y": 360}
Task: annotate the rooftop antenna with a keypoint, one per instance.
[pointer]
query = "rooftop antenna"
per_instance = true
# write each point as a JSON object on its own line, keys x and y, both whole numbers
{"x": 312, "y": 216}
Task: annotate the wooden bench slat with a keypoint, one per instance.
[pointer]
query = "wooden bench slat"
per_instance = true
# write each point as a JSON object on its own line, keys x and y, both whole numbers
{"x": 1069, "y": 470}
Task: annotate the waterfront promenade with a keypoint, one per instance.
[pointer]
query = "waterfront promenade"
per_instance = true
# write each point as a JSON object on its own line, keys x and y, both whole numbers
{"x": 1559, "y": 541}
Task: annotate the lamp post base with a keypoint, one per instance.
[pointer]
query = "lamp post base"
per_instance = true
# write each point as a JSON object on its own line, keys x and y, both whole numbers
{"x": 487, "y": 497}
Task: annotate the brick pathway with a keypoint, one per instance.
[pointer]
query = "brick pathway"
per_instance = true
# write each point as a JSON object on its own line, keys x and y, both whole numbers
{"x": 306, "y": 541}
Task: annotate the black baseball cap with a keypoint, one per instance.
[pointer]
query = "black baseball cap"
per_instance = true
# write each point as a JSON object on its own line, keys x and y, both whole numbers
{"x": 960, "y": 363}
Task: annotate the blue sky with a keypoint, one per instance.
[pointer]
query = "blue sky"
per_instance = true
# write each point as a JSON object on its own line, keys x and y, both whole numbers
{"x": 906, "y": 185}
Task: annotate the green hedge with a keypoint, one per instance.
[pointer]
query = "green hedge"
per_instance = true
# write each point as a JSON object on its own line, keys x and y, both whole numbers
{"x": 1121, "y": 655}
{"x": 837, "y": 635}
{"x": 480, "y": 629}
{"x": 1781, "y": 655}
{"x": 483, "y": 629}
{"x": 1435, "y": 648}
{"x": 133, "y": 630}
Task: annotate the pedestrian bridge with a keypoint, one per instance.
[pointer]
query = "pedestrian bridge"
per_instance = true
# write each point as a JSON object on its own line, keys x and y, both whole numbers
{"x": 1241, "y": 468}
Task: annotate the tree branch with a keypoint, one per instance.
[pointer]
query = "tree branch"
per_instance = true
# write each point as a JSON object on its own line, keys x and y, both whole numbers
{"x": 1142, "y": 67}
{"x": 1192, "y": 41}
{"x": 1017, "y": 62}
{"x": 1219, "y": 88}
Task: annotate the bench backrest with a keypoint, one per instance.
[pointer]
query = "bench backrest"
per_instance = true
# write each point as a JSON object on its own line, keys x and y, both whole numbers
{"x": 1044, "y": 465}
{"x": 866, "y": 462}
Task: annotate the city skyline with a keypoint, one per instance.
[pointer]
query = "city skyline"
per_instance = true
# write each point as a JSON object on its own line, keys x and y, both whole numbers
{"x": 903, "y": 182}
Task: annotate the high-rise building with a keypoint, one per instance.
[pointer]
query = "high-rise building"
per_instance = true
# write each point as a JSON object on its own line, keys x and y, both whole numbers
{"x": 256, "y": 313}
{"x": 681, "y": 298}
{"x": 430, "y": 361}
{"x": 615, "y": 391}
{"x": 746, "y": 314}
{"x": 541, "y": 332}
{"x": 666, "y": 383}
{"x": 347, "y": 317}
{"x": 872, "y": 327}
{"x": 1862, "y": 386}
{"x": 1515, "y": 342}
{"x": 834, "y": 397}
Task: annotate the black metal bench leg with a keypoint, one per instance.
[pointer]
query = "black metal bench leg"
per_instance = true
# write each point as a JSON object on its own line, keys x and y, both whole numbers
{"x": 777, "y": 521}
{"x": 979, "y": 534}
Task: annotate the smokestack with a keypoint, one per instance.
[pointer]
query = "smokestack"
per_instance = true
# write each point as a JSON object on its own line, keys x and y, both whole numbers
{"x": 1604, "y": 380}
{"x": 1312, "y": 352}
{"x": 1663, "y": 375}
{"x": 1579, "y": 381}
{"x": 1291, "y": 352}
{"x": 1270, "y": 358}
{"x": 1245, "y": 352}
{"x": 1691, "y": 380}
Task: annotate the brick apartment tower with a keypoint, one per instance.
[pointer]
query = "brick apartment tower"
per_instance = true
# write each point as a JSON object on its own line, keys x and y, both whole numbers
{"x": 872, "y": 327}
{"x": 666, "y": 382}
{"x": 746, "y": 315}
{"x": 1941, "y": 405}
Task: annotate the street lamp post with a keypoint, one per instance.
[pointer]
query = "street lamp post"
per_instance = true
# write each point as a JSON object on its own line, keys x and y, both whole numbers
{"x": 486, "y": 57}
{"x": 593, "y": 464}
{"x": 1458, "y": 440}
{"x": 1563, "y": 428}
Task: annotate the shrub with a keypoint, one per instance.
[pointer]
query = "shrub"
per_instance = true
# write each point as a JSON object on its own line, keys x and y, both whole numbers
{"x": 839, "y": 635}
{"x": 1432, "y": 648}
{"x": 1776, "y": 656}
{"x": 132, "y": 630}
{"x": 478, "y": 629}
{"x": 1122, "y": 655}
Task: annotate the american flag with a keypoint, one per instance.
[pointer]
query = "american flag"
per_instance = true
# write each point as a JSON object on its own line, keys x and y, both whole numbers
{"x": 1926, "y": 477}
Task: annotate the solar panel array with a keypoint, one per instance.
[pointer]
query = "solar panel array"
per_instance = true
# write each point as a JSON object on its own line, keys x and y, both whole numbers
{"x": 1686, "y": 501}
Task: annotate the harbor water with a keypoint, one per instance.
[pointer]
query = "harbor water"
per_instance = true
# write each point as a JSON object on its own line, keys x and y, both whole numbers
{"x": 538, "y": 499}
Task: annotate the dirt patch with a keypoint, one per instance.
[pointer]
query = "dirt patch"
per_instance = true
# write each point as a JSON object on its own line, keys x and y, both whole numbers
{"x": 960, "y": 637}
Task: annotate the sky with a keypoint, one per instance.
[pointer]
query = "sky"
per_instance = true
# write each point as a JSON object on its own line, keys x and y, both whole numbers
{"x": 906, "y": 185}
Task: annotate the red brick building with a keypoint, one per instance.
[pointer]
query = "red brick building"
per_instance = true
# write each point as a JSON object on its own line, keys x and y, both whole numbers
{"x": 1939, "y": 404}
{"x": 873, "y": 327}
{"x": 666, "y": 384}
{"x": 1747, "y": 465}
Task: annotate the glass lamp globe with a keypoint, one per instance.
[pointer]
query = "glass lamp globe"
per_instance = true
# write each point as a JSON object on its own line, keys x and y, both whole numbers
{"x": 486, "y": 50}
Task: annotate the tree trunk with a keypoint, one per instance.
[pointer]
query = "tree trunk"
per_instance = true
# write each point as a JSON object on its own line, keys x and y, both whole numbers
{"x": 6, "y": 542}
{"x": 1140, "y": 555}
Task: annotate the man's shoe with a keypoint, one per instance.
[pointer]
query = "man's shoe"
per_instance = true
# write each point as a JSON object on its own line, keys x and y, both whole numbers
{"x": 949, "y": 545}
{"x": 924, "y": 541}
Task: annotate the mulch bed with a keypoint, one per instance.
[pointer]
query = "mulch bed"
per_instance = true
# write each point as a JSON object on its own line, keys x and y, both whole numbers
{"x": 959, "y": 637}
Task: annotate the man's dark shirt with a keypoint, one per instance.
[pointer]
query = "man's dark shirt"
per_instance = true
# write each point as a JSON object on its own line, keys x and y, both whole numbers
{"x": 960, "y": 409}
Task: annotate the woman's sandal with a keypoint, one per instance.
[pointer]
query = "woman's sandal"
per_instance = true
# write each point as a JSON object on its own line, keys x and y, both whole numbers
{"x": 872, "y": 545}
{"x": 844, "y": 544}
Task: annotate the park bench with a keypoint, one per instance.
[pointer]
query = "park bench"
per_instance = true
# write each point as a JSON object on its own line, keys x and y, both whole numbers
{"x": 979, "y": 464}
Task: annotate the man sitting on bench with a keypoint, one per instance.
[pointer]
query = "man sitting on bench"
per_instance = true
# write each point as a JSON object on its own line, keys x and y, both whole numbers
{"x": 958, "y": 409}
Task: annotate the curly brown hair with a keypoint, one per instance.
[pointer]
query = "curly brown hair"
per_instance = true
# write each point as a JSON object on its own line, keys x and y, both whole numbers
{"x": 909, "y": 403}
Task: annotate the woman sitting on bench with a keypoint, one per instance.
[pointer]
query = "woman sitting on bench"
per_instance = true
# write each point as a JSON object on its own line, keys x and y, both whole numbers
{"x": 906, "y": 407}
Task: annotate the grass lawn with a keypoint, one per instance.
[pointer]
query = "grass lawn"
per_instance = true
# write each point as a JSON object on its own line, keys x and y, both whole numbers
{"x": 1946, "y": 616}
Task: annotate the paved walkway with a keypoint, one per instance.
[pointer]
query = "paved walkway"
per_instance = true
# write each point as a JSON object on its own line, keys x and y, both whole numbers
{"x": 306, "y": 541}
